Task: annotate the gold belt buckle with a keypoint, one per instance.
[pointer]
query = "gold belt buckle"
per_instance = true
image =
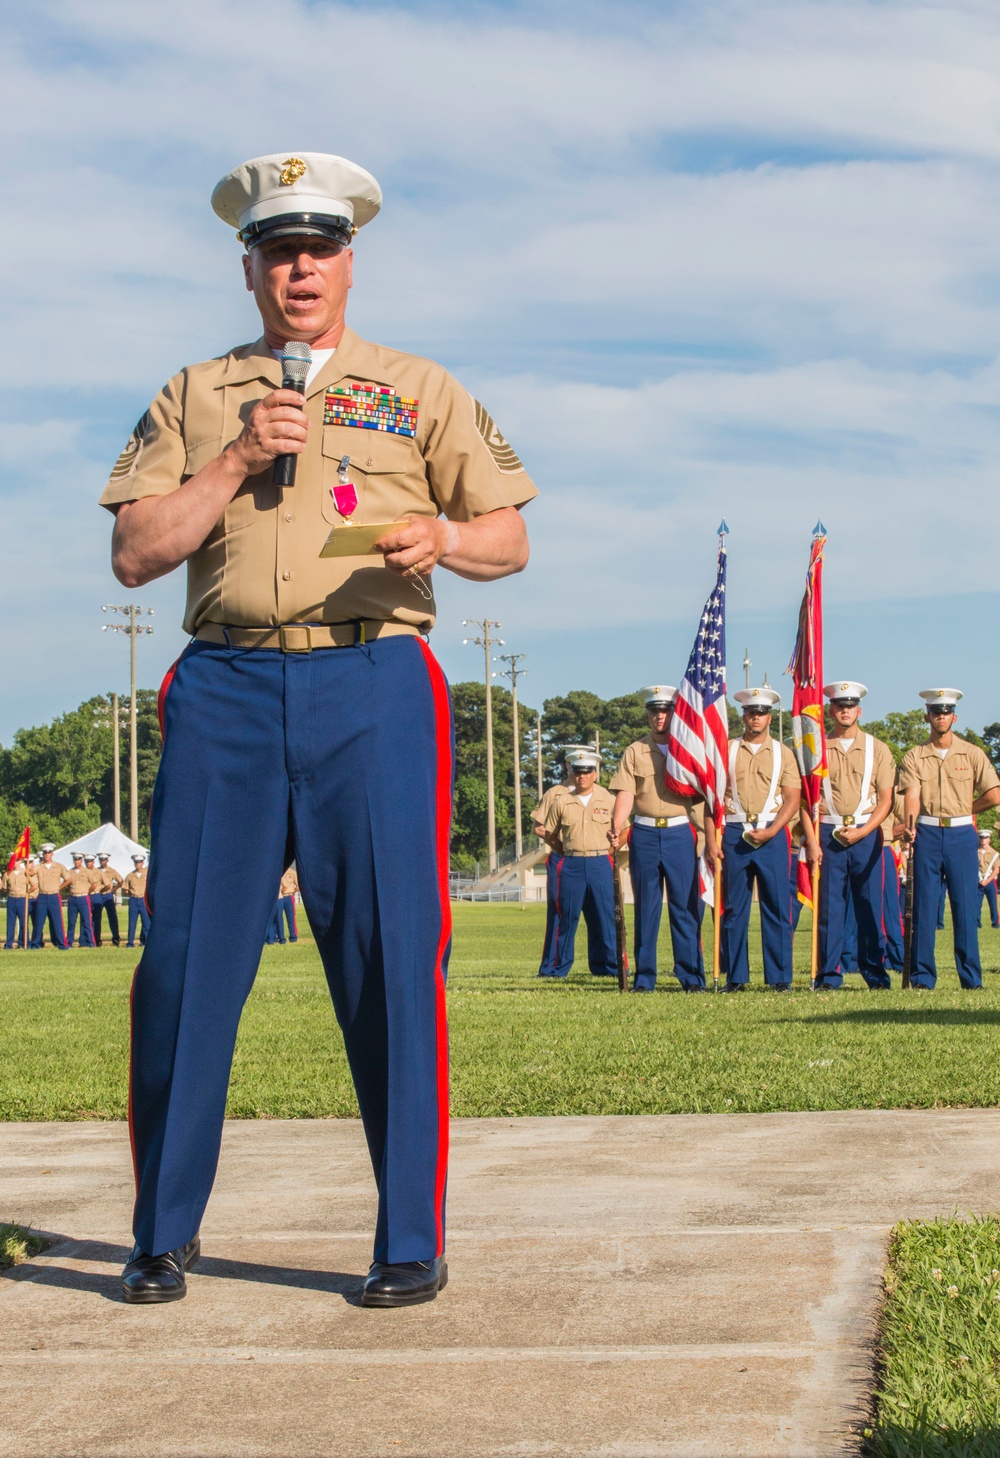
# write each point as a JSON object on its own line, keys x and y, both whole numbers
{"x": 945, "y": 821}
{"x": 291, "y": 643}
{"x": 660, "y": 821}
{"x": 848, "y": 821}
{"x": 752, "y": 821}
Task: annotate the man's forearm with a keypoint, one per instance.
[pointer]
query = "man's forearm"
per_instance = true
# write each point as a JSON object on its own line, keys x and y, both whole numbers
{"x": 155, "y": 534}
{"x": 491, "y": 546}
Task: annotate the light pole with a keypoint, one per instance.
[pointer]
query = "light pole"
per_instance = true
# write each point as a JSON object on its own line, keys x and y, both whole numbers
{"x": 112, "y": 719}
{"x": 132, "y": 628}
{"x": 514, "y": 673}
{"x": 747, "y": 665}
{"x": 486, "y": 643}
{"x": 538, "y": 751}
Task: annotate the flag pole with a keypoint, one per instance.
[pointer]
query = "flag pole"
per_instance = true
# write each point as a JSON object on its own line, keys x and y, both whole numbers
{"x": 814, "y": 934}
{"x": 717, "y": 917}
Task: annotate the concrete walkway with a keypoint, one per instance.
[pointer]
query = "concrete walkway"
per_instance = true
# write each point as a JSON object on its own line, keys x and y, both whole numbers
{"x": 678, "y": 1286}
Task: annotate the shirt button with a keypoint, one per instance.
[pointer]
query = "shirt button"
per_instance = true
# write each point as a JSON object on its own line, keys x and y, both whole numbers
{"x": 286, "y": 576}
{"x": 368, "y": 460}
{"x": 288, "y": 516}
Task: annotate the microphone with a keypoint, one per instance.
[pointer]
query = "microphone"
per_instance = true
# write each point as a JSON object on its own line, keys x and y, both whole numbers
{"x": 296, "y": 357}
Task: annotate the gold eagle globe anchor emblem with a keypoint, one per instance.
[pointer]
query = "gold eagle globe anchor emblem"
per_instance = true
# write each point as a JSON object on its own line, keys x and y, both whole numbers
{"x": 291, "y": 170}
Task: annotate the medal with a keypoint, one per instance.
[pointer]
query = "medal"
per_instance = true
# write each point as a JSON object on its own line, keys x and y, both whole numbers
{"x": 345, "y": 493}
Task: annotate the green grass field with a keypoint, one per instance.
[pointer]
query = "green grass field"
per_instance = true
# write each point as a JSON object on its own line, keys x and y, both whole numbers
{"x": 938, "y": 1390}
{"x": 524, "y": 1046}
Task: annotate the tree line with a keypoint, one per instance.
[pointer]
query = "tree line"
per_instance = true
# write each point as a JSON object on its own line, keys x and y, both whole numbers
{"x": 59, "y": 777}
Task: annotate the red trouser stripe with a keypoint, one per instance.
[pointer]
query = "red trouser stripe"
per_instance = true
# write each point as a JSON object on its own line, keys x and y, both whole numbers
{"x": 442, "y": 833}
{"x": 131, "y": 1122}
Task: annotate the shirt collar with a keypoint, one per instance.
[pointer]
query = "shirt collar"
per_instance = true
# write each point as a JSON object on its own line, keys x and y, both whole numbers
{"x": 353, "y": 358}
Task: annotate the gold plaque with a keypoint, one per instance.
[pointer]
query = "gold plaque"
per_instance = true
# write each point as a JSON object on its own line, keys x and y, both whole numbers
{"x": 291, "y": 170}
{"x": 349, "y": 540}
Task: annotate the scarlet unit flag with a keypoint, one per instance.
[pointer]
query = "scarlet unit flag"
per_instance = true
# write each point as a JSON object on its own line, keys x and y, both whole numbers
{"x": 696, "y": 753}
{"x": 806, "y": 668}
{"x": 22, "y": 850}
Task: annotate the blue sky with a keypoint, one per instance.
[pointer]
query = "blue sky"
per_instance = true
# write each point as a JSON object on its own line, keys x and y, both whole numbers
{"x": 699, "y": 260}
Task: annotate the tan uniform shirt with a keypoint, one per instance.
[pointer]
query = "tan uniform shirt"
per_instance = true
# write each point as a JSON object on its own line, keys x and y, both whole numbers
{"x": 753, "y": 776}
{"x": 17, "y": 883}
{"x": 109, "y": 879}
{"x": 288, "y": 884}
{"x": 50, "y": 877}
{"x": 947, "y": 786}
{"x": 582, "y": 828}
{"x": 988, "y": 863}
{"x": 541, "y": 810}
{"x": 134, "y": 883}
{"x": 641, "y": 772}
{"x": 80, "y": 881}
{"x": 260, "y": 564}
{"x": 847, "y": 773}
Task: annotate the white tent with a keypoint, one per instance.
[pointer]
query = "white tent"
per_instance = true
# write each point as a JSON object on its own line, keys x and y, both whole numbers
{"x": 105, "y": 840}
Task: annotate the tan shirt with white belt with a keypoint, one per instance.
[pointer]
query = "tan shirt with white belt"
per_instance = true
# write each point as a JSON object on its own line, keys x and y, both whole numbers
{"x": 753, "y": 776}
{"x": 847, "y": 774}
{"x": 642, "y": 773}
{"x": 948, "y": 786}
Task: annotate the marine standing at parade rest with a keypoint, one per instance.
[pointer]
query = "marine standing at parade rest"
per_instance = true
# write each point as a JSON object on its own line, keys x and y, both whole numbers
{"x": 33, "y": 864}
{"x": 989, "y": 862}
{"x": 857, "y": 798}
{"x": 134, "y": 887}
{"x": 308, "y": 719}
{"x": 51, "y": 876}
{"x": 553, "y": 861}
{"x": 580, "y": 822}
{"x": 80, "y": 883}
{"x": 663, "y": 850}
{"x": 107, "y": 881}
{"x": 284, "y": 911}
{"x": 892, "y": 909}
{"x": 945, "y": 783}
{"x": 763, "y": 792}
{"x": 17, "y": 884}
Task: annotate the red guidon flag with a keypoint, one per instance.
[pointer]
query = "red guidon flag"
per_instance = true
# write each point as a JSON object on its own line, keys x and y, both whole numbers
{"x": 22, "y": 850}
{"x": 806, "y": 668}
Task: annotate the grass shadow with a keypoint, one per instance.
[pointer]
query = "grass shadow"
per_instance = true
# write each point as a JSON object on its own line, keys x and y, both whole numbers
{"x": 926, "y": 1441}
{"x": 48, "y": 1272}
{"x": 955, "y": 1017}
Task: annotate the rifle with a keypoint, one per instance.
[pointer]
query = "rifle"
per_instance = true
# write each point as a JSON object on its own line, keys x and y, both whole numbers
{"x": 621, "y": 950}
{"x": 908, "y": 907}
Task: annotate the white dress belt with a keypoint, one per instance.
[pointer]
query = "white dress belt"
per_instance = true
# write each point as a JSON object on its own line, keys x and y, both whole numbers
{"x": 847, "y": 820}
{"x": 945, "y": 820}
{"x": 752, "y": 822}
{"x": 660, "y": 822}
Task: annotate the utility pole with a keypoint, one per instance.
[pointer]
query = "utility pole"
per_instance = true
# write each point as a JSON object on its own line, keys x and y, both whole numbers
{"x": 486, "y": 643}
{"x": 514, "y": 673}
{"x": 111, "y": 720}
{"x": 132, "y": 612}
{"x": 747, "y": 665}
{"x": 538, "y": 744}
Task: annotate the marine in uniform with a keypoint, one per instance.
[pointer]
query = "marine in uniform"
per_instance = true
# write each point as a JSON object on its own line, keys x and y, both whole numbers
{"x": 945, "y": 783}
{"x": 135, "y": 888}
{"x": 80, "y": 883}
{"x": 581, "y": 823}
{"x": 33, "y": 864}
{"x": 857, "y": 797}
{"x": 989, "y": 862}
{"x": 663, "y": 850}
{"x": 554, "y": 859}
{"x": 51, "y": 876}
{"x": 308, "y": 718}
{"x": 103, "y": 900}
{"x": 17, "y": 886}
{"x": 284, "y": 911}
{"x": 763, "y": 792}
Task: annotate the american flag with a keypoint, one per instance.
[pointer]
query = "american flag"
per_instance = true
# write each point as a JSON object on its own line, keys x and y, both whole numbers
{"x": 697, "y": 750}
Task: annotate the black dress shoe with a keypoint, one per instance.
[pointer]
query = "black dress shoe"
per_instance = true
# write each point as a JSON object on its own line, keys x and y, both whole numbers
{"x": 147, "y": 1280}
{"x": 735, "y": 987}
{"x": 405, "y": 1284}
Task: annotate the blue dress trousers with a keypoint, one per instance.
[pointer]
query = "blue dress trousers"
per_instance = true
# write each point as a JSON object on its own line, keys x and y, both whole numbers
{"x": 851, "y": 878}
{"x": 948, "y": 853}
{"x": 769, "y": 866}
{"x": 666, "y": 857}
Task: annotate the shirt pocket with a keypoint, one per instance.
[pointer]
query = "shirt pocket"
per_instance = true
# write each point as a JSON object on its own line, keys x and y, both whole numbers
{"x": 243, "y": 508}
{"x": 387, "y": 470}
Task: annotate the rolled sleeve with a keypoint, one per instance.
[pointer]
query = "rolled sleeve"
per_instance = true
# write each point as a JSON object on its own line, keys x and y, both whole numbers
{"x": 790, "y": 777}
{"x": 986, "y": 775}
{"x": 909, "y": 775}
{"x": 624, "y": 776}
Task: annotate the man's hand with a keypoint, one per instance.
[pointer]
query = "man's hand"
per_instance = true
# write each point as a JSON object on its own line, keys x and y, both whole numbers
{"x": 277, "y": 427}
{"x": 814, "y": 854}
{"x": 850, "y": 834}
{"x": 417, "y": 547}
{"x": 760, "y": 837}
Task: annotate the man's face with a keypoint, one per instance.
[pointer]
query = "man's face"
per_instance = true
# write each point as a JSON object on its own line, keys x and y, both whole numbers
{"x": 940, "y": 720}
{"x": 658, "y": 717}
{"x": 756, "y": 719}
{"x": 584, "y": 777}
{"x": 845, "y": 712}
{"x": 47, "y": 856}
{"x": 300, "y": 285}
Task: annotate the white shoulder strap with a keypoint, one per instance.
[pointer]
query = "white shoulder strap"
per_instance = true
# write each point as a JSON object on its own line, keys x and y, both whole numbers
{"x": 734, "y": 749}
{"x": 767, "y": 814}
